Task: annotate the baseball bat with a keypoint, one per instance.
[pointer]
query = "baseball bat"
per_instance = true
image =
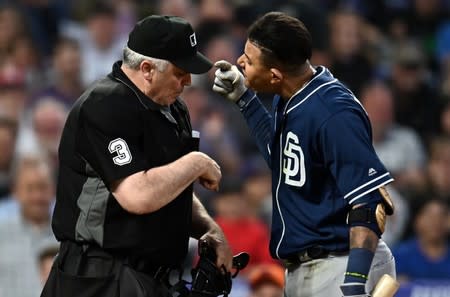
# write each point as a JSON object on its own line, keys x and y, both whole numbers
{"x": 386, "y": 287}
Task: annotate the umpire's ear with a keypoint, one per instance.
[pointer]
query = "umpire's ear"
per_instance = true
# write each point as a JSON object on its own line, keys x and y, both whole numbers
{"x": 147, "y": 69}
{"x": 277, "y": 76}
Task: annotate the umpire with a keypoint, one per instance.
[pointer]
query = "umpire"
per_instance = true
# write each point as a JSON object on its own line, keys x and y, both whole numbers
{"x": 125, "y": 207}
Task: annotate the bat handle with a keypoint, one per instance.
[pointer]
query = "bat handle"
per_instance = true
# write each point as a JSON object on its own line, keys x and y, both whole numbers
{"x": 386, "y": 287}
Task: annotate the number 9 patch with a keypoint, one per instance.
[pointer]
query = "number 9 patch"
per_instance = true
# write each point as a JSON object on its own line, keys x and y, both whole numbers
{"x": 120, "y": 147}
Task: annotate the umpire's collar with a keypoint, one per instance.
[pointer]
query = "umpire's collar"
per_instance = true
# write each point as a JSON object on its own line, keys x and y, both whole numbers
{"x": 148, "y": 103}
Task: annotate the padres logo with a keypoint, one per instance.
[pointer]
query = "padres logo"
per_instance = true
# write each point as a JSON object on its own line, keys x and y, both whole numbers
{"x": 293, "y": 161}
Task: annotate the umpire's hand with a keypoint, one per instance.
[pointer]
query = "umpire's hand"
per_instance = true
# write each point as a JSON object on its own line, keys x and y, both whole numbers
{"x": 229, "y": 81}
{"x": 211, "y": 175}
{"x": 216, "y": 240}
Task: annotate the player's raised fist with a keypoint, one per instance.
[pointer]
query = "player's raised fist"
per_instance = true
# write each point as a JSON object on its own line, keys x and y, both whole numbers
{"x": 229, "y": 81}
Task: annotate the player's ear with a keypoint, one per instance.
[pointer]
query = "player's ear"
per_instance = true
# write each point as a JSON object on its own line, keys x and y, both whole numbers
{"x": 277, "y": 76}
{"x": 147, "y": 69}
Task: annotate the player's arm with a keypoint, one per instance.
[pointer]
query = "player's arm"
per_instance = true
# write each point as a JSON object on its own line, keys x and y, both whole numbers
{"x": 229, "y": 82}
{"x": 204, "y": 228}
{"x": 345, "y": 142}
{"x": 148, "y": 191}
{"x": 367, "y": 221}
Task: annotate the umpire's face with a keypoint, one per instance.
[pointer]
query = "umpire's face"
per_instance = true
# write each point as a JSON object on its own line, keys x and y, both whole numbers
{"x": 258, "y": 76}
{"x": 165, "y": 86}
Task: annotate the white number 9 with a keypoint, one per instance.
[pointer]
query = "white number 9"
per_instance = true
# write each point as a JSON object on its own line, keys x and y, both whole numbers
{"x": 120, "y": 147}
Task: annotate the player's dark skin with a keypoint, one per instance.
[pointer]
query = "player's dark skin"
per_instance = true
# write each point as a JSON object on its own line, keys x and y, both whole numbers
{"x": 362, "y": 237}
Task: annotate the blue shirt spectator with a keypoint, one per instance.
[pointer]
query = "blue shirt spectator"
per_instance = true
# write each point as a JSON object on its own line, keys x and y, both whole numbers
{"x": 412, "y": 261}
{"x": 427, "y": 255}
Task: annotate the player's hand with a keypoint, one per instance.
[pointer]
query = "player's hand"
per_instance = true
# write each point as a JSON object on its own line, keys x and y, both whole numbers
{"x": 216, "y": 240}
{"x": 229, "y": 81}
{"x": 354, "y": 290}
{"x": 211, "y": 176}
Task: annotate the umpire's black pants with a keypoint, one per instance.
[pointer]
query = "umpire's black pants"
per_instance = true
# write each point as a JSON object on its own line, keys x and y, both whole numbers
{"x": 87, "y": 272}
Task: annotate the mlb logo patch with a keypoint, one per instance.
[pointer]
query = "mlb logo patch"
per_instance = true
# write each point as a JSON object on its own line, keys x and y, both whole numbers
{"x": 193, "y": 39}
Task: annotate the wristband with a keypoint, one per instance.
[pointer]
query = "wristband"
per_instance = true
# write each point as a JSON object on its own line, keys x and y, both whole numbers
{"x": 358, "y": 266}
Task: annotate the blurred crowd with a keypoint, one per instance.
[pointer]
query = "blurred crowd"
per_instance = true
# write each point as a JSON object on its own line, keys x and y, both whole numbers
{"x": 393, "y": 54}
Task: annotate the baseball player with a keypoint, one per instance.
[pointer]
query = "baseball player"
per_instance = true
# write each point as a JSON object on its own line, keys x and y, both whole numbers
{"x": 329, "y": 201}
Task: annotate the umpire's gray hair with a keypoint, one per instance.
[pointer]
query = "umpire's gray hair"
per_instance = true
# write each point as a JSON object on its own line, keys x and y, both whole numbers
{"x": 133, "y": 59}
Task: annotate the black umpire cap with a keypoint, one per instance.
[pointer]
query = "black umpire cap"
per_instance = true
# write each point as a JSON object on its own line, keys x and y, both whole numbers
{"x": 170, "y": 38}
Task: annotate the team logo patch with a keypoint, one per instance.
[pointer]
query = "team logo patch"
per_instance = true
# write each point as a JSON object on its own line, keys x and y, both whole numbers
{"x": 293, "y": 161}
{"x": 193, "y": 39}
{"x": 120, "y": 149}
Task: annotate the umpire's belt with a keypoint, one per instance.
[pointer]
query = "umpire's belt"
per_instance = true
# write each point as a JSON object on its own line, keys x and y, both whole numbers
{"x": 306, "y": 255}
{"x": 82, "y": 253}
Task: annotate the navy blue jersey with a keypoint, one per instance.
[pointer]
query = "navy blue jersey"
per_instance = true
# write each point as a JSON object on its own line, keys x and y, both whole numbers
{"x": 319, "y": 147}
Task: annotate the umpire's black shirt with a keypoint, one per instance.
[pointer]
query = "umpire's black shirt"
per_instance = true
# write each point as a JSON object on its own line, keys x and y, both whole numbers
{"x": 113, "y": 131}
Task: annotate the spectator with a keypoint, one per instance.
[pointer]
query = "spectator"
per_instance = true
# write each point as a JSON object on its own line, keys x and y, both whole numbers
{"x": 257, "y": 187}
{"x": 10, "y": 107}
{"x": 99, "y": 42}
{"x": 13, "y": 92}
{"x": 43, "y": 19}
{"x": 34, "y": 190}
{"x": 443, "y": 47}
{"x": 398, "y": 147}
{"x": 46, "y": 252}
{"x": 219, "y": 143}
{"x": 427, "y": 254}
{"x": 243, "y": 232}
{"x": 314, "y": 18}
{"x": 220, "y": 47}
{"x": 13, "y": 27}
{"x": 196, "y": 100}
{"x": 65, "y": 75}
{"x": 8, "y": 133}
{"x": 182, "y": 8}
{"x": 445, "y": 90}
{"x": 48, "y": 118}
{"x": 220, "y": 10}
{"x": 416, "y": 103}
{"x": 445, "y": 118}
{"x": 348, "y": 61}
{"x": 26, "y": 59}
{"x": 439, "y": 169}
{"x": 126, "y": 11}
{"x": 424, "y": 19}
{"x": 266, "y": 281}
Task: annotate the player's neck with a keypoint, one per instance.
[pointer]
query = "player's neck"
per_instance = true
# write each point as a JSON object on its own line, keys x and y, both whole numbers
{"x": 295, "y": 83}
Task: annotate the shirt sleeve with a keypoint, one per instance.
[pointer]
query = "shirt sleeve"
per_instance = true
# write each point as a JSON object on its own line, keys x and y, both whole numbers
{"x": 259, "y": 122}
{"x": 109, "y": 139}
{"x": 346, "y": 145}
